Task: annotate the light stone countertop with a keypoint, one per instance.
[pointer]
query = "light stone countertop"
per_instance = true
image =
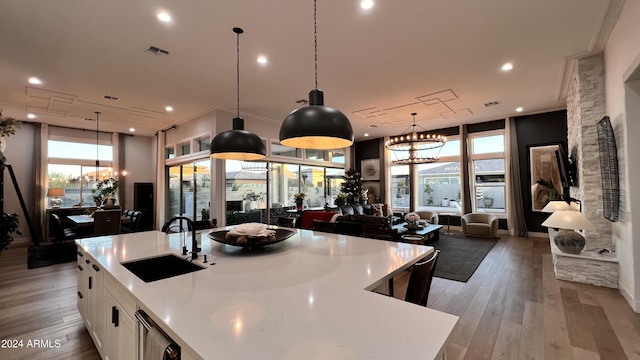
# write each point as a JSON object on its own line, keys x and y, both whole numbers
{"x": 304, "y": 298}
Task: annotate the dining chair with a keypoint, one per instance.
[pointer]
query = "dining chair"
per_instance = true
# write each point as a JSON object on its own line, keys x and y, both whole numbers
{"x": 60, "y": 231}
{"x": 377, "y": 232}
{"x": 286, "y": 221}
{"x": 324, "y": 226}
{"x": 420, "y": 280}
{"x": 177, "y": 225}
{"x": 106, "y": 222}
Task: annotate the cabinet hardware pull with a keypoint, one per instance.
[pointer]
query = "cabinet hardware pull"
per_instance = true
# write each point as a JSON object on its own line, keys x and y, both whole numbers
{"x": 114, "y": 316}
{"x": 87, "y": 261}
{"x": 80, "y": 267}
{"x": 90, "y": 283}
{"x": 80, "y": 254}
{"x": 80, "y": 295}
{"x": 95, "y": 267}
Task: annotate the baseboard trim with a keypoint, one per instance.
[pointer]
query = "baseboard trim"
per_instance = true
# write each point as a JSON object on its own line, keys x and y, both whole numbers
{"x": 635, "y": 305}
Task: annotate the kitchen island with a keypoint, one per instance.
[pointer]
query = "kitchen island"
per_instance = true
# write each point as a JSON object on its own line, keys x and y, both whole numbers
{"x": 308, "y": 297}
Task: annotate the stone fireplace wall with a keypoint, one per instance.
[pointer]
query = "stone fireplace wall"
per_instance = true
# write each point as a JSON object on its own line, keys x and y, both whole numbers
{"x": 585, "y": 107}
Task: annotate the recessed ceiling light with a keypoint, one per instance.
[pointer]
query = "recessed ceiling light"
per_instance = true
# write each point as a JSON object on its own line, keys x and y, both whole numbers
{"x": 34, "y": 81}
{"x": 168, "y": 108}
{"x": 366, "y": 4}
{"x": 31, "y": 116}
{"x": 262, "y": 60}
{"x": 164, "y": 16}
{"x": 519, "y": 109}
{"x": 507, "y": 67}
{"x": 132, "y": 130}
{"x": 366, "y": 134}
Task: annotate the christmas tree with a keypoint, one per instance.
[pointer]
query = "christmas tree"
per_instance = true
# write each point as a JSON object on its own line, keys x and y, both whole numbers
{"x": 352, "y": 186}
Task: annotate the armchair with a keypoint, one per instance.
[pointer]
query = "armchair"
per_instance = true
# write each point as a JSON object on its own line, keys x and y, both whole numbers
{"x": 479, "y": 225}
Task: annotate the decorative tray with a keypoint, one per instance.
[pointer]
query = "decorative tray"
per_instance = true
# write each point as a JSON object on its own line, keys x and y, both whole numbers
{"x": 414, "y": 227}
{"x": 251, "y": 242}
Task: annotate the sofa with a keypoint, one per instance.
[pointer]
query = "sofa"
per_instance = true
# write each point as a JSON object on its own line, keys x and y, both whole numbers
{"x": 479, "y": 225}
{"x": 354, "y": 219}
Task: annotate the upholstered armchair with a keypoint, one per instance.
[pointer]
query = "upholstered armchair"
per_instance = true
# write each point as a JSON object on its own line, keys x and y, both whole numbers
{"x": 479, "y": 225}
{"x": 430, "y": 216}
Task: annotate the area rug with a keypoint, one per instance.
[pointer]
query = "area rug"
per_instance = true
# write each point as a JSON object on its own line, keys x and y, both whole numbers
{"x": 460, "y": 256}
{"x": 50, "y": 254}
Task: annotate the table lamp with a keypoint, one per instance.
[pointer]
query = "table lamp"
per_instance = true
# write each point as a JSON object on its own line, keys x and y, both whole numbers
{"x": 56, "y": 202}
{"x": 568, "y": 240}
{"x": 556, "y": 205}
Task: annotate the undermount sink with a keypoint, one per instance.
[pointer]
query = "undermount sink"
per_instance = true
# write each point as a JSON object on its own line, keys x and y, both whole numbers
{"x": 160, "y": 267}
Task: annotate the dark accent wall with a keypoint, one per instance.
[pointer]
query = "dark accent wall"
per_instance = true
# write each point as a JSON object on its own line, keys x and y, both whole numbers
{"x": 368, "y": 149}
{"x": 537, "y": 130}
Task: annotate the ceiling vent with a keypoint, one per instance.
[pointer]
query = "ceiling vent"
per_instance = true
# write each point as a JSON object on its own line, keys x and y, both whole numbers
{"x": 111, "y": 98}
{"x": 491, "y": 103}
{"x": 157, "y": 51}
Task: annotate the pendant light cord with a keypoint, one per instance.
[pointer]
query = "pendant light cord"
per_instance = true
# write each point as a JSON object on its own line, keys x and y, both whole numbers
{"x": 315, "y": 40}
{"x": 97, "y": 143}
{"x": 238, "y": 73}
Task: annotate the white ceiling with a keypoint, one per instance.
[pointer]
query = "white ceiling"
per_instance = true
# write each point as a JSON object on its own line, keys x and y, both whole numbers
{"x": 440, "y": 59}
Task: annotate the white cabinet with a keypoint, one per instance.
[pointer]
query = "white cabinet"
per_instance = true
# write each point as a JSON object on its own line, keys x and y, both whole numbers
{"x": 94, "y": 317}
{"x": 121, "y": 331}
{"x": 83, "y": 284}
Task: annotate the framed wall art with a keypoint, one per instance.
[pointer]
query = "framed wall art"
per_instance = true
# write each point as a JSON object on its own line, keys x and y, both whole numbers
{"x": 370, "y": 169}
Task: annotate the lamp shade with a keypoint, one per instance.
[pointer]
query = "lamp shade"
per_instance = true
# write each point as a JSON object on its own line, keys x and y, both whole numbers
{"x": 568, "y": 219}
{"x": 316, "y": 126}
{"x": 237, "y": 144}
{"x": 556, "y": 205}
{"x": 55, "y": 192}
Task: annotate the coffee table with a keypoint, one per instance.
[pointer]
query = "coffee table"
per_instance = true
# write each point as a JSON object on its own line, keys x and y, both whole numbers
{"x": 430, "y": 232}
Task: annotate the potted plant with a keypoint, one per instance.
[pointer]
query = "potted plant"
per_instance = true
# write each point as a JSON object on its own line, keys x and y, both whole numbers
{"x": 400, "y": 186}
{"x": 8, "y": 225}
{"x": 341, "y": 199}
{"x": 445, "y": 202}
{"x": 487, "y": 201}
{"x": 8, "y": 127}
{"x": 252, "y": 199}
{"x": 105, "y": 192}
{"x": 298, "y": 199}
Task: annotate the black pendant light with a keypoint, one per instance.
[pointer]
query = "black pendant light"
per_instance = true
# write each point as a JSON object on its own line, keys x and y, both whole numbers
{"x": 237, "y": 144}
{"x": 316, "y": 126}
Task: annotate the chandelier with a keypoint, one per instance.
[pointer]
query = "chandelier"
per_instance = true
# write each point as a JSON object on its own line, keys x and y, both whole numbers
{"x": 254, "y": 166}
{"x": 415, "y": 147}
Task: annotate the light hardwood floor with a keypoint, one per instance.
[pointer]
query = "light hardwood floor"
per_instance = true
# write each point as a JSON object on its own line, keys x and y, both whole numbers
{"x": 511, "y": 308}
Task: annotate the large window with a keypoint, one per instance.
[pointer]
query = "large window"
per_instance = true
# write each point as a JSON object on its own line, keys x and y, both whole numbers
{"x": 439, "y": 183}
{"x": 400, "y": 187}
{"x": 72, "y": 166}
{"x": 488, "y": 172}
{"x": 264, "y": 191}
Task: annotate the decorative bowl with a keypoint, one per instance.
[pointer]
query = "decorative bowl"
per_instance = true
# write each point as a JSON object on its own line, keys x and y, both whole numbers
{"x": 413, "y": 226}
{"x": 251, "y": 242}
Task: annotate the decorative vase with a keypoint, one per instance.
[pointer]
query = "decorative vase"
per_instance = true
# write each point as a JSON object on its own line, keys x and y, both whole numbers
{"x": 299, "y": 204}
{"x": 569, "y": 241}
{"x": 250, "y": 205}
{"x": 109, "y": 201}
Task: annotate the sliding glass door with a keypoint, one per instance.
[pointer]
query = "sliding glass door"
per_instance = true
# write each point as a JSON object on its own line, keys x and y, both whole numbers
{"x": 189, "y": 190}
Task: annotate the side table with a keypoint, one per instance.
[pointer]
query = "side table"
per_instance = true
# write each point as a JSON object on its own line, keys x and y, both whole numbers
{"x": 448, "y": 215}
